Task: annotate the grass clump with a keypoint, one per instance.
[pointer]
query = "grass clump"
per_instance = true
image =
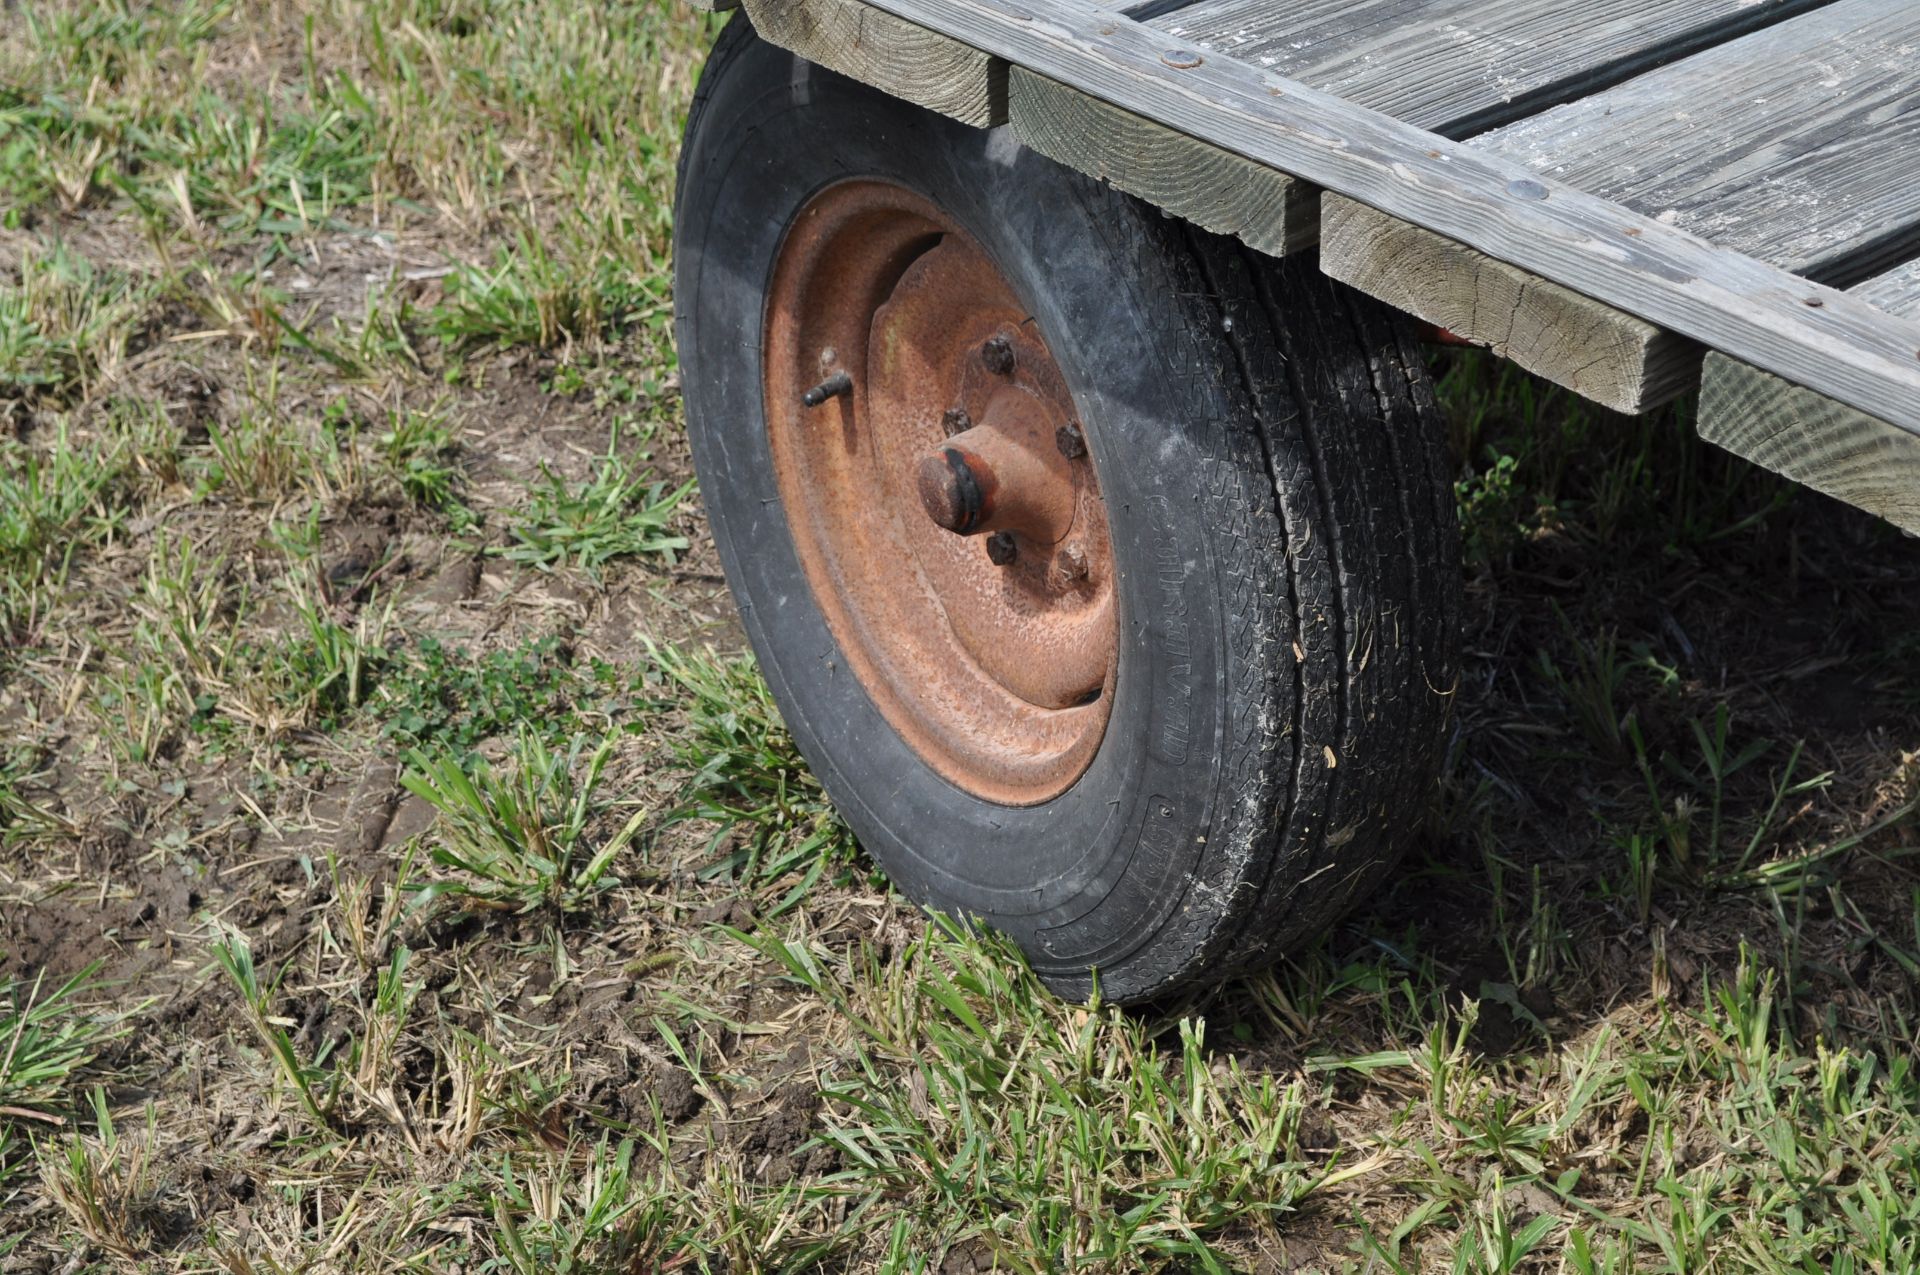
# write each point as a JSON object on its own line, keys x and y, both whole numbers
{"x": 66, "y": 323}
{"x": 517, "y": 836}
{"x": 46, "y": 1035}
{"x": 597, "y": 1213}
{"x": 346, "y": 1075}
{"x": 53, "y": 502}
{"x": 107, "y": 1184}
{"x": 323, "y": 671}
{"x": 748, "y": 779}
{"x": 317, "y": 1085}
{"x": 247, "y": 167}
{"x": 419, "y": 449}
{"x": 51, "y": 498}
{"x": 1060, "y": 1137}
{"x": 622, "y": 510}
{"x": 541, "y": 294}
{"x": 440, "y": 697}
{"x": 20, "y": 818}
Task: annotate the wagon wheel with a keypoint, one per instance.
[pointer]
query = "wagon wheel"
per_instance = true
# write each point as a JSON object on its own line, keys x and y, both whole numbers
{"x": 1103, "y": 569}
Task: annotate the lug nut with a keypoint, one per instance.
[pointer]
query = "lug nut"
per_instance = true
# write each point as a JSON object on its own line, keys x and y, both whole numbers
{"x": 833, "y": 387}
{"x": 1073, "y": 563}
{"x": 1001, "y": 549}
{"x": 1071, "y": 442}
{"x": 997, "y": 354}
{"x": 956, "y": 421}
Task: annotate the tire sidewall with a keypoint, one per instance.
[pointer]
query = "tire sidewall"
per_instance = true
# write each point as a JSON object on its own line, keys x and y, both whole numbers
{"x": 1090, "y": 877}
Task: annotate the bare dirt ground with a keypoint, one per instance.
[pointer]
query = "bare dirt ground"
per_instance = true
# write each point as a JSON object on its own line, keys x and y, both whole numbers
{"x": 401, "y": 865}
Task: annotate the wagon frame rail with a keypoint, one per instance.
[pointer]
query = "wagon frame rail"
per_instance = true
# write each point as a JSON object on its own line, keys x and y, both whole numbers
{"x": 1834, "y": 376}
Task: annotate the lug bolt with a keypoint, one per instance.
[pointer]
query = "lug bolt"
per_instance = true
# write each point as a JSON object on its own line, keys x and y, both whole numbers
{"x": 997, "y": 354}
{"x": 1001, "y": 549}
{"x": 1071, "y": 442}
{"x": 833, "y": 387}
{"x": 955, "y": 421}
{"x": 1073, "y": 563}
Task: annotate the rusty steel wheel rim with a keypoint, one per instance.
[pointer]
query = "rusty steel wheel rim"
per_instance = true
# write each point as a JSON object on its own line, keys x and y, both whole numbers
{"x": 936, "y": 479}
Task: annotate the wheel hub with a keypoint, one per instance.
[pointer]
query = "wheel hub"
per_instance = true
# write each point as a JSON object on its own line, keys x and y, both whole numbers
{"x": 936, "y": 478}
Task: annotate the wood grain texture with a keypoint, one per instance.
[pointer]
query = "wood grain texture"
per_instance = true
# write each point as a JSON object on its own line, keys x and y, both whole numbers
{"x": 891, "y": 53}
{"x": 1593, "y": 349}
{"x": 1791, "y": 430}
{"x": 1459, "y": 67}
{"x": 1799, "y": 144}
{"x": 1211, "y": 187}
{"x": 1896, "y": 292}
{"x": 1844, "y": 348}
{"x": 1455, "y": 66}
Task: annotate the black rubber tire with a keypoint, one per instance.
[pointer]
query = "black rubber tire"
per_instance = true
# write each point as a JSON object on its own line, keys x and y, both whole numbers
{"x": 1276, "y": 483}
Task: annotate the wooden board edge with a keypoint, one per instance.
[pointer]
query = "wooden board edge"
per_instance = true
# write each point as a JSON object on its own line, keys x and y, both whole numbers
{"x": 892, "y": 54}
{"x": 1816, "y": 335}
{"x": 1591, "y": 348}
{"x": 1196, "y": 181}
{"x": 1810, "y": 438}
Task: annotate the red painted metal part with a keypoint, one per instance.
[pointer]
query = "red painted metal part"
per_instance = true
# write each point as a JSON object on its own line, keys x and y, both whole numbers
{"x": 967, "y": 576}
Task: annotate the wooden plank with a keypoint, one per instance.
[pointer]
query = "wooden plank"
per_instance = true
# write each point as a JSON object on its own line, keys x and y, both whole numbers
{"x": 1847, "y": 454}
{"x": 1798, "y": 145}
{"x": 1897, "y": 292}
{"x": 1843, "y": 347}
{"x": 1593, "y": 349}
{"x": 1460, "y": 67}
{"x": 891, "y": 53}
{"x": 1455, "y": 66}
{"x": 1211, "y": 187}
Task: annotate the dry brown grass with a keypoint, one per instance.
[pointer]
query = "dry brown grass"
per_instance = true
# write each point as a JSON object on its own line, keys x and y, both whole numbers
{"x": 294, "y": 301}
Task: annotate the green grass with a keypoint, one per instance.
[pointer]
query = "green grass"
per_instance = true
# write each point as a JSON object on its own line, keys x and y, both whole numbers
{"x": 622, "y": 510}
{"x": 515, "y": 837}
{"x": 49, "y": 1033}
{"x": 53, "y": 503}
{"x": 535, "y": 294}
{"x": 437, "y": 696}
{"x": 1540, "y": 463}
{"x": 747, "y": 780}
{"x": 988, "y": 1110}
{"x": 421, "y": 452}
{"x": 605, "y": 984}
{"x": 107, "y": 1184}
{"x": 65, "y": 323}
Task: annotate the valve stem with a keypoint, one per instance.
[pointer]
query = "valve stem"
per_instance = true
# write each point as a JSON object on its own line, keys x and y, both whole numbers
{"x": 833, "y": 387}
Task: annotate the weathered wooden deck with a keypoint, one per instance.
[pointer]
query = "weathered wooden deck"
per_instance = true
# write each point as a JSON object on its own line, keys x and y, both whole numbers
{"x": 1633, "y": 198}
